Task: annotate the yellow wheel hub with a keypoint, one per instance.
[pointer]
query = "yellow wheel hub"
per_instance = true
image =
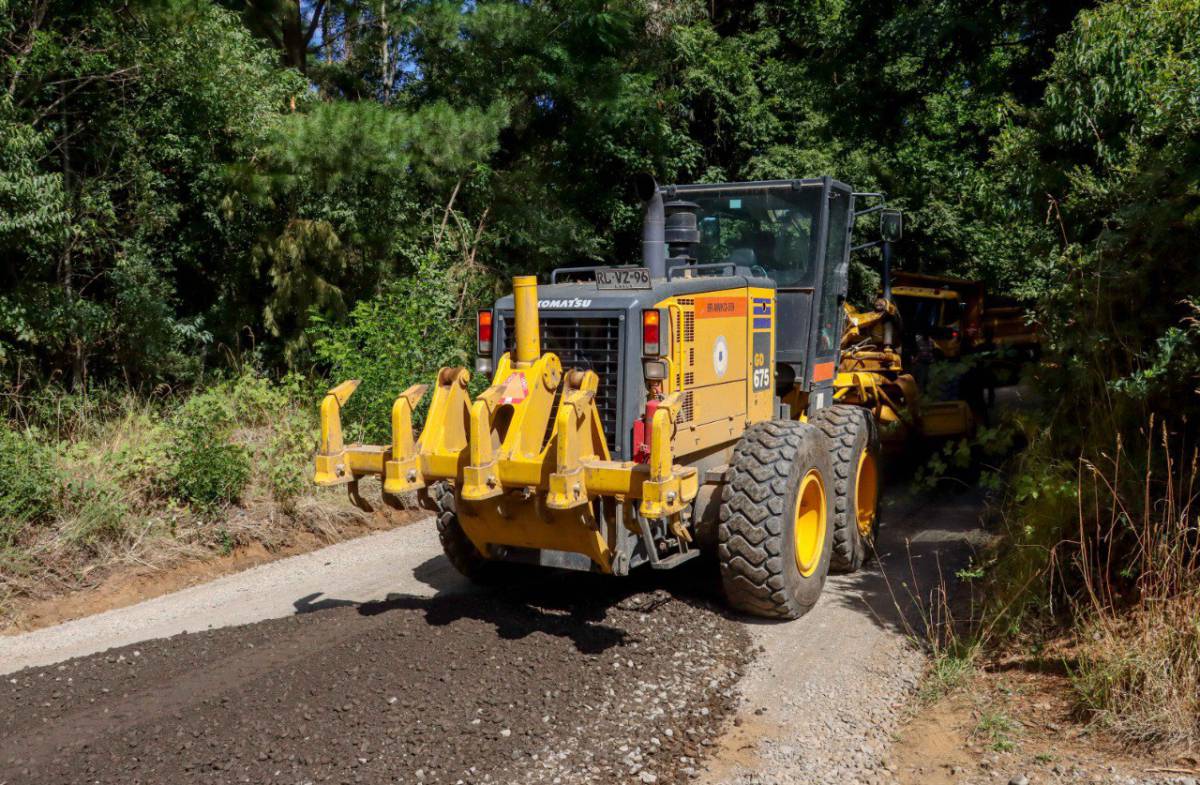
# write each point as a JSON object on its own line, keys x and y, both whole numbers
{"x": 810, "y": 523}
{"x": 866, "y": 492}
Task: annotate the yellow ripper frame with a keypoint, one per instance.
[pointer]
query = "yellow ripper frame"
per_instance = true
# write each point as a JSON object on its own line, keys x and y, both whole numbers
{"x": 498, "y": 444}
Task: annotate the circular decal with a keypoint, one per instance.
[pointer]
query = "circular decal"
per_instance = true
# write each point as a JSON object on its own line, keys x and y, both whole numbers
{"x": 720, "y": 356}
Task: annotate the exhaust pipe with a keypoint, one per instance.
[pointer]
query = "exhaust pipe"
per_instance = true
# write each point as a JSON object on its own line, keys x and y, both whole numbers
{"x": 654, "y": 249}
{"x": 528, "y": 342}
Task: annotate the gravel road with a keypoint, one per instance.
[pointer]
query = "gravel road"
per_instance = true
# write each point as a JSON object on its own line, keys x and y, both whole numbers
{"x": 826, "y": 694}
{"x": 372, "y": 661}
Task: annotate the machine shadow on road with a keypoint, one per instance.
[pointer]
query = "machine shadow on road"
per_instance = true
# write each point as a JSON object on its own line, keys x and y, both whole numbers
{"x": 924, "y": 542}
{"x": 529, "y": 600}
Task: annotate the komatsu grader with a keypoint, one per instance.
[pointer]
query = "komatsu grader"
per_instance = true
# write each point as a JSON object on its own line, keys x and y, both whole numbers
{"x": 721, "y": 396}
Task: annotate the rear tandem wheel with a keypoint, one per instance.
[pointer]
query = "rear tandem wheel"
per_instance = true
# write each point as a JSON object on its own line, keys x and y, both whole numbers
{"x": 854, "y": 449}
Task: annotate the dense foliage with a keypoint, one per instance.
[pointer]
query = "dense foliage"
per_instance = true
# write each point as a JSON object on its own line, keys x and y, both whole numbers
{"x": 328, "y": 188}
{"x": 1113, "y": 153}
{"x": 183, "y": 180}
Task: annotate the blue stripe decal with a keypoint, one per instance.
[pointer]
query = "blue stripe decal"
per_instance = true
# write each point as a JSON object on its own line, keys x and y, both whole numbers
{"x": 761, "y": 323}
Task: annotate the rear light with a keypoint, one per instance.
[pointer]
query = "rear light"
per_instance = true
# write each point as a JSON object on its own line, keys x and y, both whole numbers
{"x": 483, "y": 331}
{"x": 650, "y": 333}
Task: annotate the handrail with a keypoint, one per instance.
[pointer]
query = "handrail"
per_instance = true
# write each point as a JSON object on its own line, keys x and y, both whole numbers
{"x": 591, "y": 269}
{"x": 731, "y": 266}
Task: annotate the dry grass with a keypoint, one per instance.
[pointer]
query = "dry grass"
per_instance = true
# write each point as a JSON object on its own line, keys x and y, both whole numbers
{"x": 1138, "y": 669}
{"x": 58, "y": 558}
{"x": 1100, "y": 573}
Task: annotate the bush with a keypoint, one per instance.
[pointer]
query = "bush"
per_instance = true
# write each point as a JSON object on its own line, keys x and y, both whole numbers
{"x": 289, "y": 458}
{"x": 29, "y": 482}
{"x": 210, "y": 473}
{"x": 400, "y": 337}
{"x": 140, "y": 455}
{"x": 257, "y": 401}
{"x": 207, "y": 470}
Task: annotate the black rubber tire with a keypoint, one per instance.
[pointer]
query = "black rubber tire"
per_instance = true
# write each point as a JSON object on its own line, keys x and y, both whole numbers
{"x": 756, "y": 533}
{"x": 850, "y": 430}
{"x": 459, "y": 549}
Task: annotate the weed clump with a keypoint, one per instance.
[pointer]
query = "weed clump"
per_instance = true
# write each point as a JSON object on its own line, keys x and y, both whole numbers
{"x": 29, "y": 482}
{"x": 1140, "y": 674}
{"x": 1138, "y": 668}
{"x": 207, "y": 468}
{"x": 1119, "y": 584}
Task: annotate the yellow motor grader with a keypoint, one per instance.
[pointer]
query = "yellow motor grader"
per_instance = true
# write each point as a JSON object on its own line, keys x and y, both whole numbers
{"x": 639, "y": 415}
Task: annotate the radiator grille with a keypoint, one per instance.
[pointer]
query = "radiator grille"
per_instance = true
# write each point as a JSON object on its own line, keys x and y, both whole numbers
{"x": 590, "y": 344}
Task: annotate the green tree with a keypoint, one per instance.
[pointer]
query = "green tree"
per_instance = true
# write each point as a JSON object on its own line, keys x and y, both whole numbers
{"x": 117, "y": 126}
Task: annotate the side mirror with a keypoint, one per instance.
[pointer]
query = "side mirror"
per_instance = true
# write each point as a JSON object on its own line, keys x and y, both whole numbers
{"x": 891, "y": 225}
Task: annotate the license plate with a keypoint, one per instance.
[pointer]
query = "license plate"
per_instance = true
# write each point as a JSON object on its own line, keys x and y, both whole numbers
{"x": 623, "y": 278}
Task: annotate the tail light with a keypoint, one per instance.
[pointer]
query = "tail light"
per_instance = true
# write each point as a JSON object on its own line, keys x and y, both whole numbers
{"x": 483, "y": 331}
{"x": 651, "y": 333}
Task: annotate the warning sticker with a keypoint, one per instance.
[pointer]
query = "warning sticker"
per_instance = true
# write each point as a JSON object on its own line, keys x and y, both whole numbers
{"x": 514, "y": 389}
{"x": 720, "y": 307}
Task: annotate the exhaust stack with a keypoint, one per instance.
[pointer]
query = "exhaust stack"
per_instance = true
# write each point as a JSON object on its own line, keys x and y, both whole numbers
{"x": 528, "y": 343}
{"x": 654, "y": 251}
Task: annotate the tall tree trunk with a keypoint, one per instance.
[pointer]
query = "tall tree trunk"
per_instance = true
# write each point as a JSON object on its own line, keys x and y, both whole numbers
{"x": 295, "y": 47}
{"x": 350, "y": 24}
{"x": 326, "y": 32}
{"x": 66, "y": 267}
{"x": 384, "y": 69}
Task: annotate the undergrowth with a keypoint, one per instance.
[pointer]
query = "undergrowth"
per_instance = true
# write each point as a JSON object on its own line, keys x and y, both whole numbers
{"x": 91, "y": 481}
{"x": 1098, "y": 568}
{"x": 1138, "y": 666}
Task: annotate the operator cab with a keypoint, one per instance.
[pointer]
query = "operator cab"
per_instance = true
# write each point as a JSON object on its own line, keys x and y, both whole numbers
{"x": 795, "y": 232}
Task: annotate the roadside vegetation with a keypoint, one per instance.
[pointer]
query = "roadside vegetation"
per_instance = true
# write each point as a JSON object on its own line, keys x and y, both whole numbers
{"x": 115, "y": 479}
{"x": 1096, "y": 567}
{"x": 209, "y": 211}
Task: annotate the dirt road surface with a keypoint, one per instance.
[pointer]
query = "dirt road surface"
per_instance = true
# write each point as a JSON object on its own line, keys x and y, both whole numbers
{"x": 372, "y": 661}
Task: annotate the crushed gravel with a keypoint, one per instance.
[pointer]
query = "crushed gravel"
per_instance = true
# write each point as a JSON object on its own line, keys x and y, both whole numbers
{"x": 827, "y": 693}
{"x": 540, "y": 685}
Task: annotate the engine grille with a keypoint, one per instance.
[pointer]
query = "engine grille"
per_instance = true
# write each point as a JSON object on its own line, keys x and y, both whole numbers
{"x": 589, "y": 343}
